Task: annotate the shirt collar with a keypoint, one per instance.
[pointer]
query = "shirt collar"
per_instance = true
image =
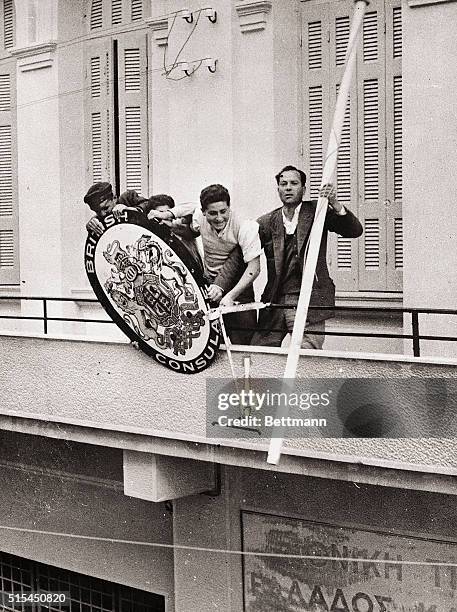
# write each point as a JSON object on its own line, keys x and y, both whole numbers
{"x": 291, "y": 226}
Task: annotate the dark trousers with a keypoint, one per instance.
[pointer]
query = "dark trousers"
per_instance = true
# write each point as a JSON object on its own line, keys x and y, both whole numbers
{"x": 240, "y": 326}
{"x": 276, "y": 323}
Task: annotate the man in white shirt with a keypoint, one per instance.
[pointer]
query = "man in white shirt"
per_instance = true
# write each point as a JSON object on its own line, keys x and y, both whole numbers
{"x": 222, "y": 231}
{"x": 284, "y": 233}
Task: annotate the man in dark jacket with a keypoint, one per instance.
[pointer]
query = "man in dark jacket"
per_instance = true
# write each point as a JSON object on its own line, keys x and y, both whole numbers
{"x": 284, "y": 234}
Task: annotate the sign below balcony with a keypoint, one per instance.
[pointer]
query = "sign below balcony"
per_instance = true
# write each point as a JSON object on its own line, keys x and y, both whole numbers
{"x": 152, "y": 287}
{"x": 294, "y": 565}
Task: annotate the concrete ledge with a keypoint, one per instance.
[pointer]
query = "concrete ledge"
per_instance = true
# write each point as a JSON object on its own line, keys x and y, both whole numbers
{"x": 160, "y": 478}
{"x": 105, "y": 394}
{"x": 389, "y": 473}
{"x": 239, "y": 348}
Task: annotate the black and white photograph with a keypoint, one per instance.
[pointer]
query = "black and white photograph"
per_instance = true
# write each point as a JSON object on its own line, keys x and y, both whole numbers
{"x": 228, "y": 306}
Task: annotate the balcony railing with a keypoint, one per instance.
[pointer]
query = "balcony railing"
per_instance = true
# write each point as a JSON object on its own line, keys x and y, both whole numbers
{"x": 415, "y": 336}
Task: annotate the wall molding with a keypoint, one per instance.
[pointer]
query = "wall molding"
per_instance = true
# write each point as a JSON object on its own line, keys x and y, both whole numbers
{"x": 416, "y": 3}
{"x": 253, "y": 14}
{"x": 35, "y": 57}
{"x": 159, "y": 27}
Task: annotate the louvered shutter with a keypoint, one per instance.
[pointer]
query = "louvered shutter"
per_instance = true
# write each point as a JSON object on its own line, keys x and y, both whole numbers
{"x": 369, "y": 169}
{"x": 394, "y": 222}
{"x": 372, "y": 160}
{"x": 133, "y": 117}
{"x": 99, "y": 113}
{"x": 315, "y": 93}
{"x": 8, "y": 33}
{"x": 96, "y": 15}
{"x": 116, "y": 12}
{"x": 343, "y": 252}
{"x": 136, "y": 10}
{"x": 9, "y": 250}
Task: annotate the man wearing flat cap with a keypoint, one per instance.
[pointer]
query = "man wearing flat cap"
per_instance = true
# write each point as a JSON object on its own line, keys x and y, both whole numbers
{"x": 101, "y": 201}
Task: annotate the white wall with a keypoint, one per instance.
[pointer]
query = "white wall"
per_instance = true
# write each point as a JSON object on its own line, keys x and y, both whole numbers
{"x": 237, "y": 126}
{"x": 430, "y": 166}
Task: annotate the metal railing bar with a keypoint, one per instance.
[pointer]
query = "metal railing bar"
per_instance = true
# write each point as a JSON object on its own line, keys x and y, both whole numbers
{"x": 451, "y": 338}
{"x": 414, "y": 336}
{"x": 49, "y": 299}
{"x": 80, "y": 320}
{"x": 415, "y": 330}
{"x": 30, "y": 318}
{"x": 45, "y": 316}
{"x": 393, "y": 309}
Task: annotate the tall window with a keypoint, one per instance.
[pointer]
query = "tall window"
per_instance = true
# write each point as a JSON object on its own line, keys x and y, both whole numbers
{"x": 9, "y": 261}
{"x": 116, "y": 96}
{"x": 369, "y": 169}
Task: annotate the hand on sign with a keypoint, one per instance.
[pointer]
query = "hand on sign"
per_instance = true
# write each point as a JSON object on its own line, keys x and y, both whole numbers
{"x": 119, "y": 210}
{"x": 95, "y": 226}
{"x": 214, "y": 293}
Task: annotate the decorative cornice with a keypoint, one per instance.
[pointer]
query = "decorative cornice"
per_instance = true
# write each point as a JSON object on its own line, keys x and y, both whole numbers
{"x": 159, "y": 27}
{"x": 253, "y": 14}
{"x": 35, "y": 57}
{"x": 35, "y": 49}
{"x": 414, "y": 3}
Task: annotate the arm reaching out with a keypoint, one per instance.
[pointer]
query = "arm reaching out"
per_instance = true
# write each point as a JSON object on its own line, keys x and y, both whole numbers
{"x": 250, "y": 274}
{"x": 182, "y": 210}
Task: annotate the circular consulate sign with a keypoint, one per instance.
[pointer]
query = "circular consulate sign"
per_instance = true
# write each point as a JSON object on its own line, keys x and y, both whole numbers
{"x": 151, "y": 286}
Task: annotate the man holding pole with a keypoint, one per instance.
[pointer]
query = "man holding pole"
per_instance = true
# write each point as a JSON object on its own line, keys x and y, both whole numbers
{"x": 284, "y": 234}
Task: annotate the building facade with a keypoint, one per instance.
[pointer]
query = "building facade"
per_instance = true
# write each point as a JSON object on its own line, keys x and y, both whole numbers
{"x": 108, "y": 475}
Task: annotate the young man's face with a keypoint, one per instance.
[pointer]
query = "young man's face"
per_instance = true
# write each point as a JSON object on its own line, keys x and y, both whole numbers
{"x": 103, "y": 209}
{"x": 290, "y": 188}
{"x": 217, "y": 214}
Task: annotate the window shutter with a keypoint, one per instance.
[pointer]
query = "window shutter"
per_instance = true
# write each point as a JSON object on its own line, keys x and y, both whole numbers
{"x": 369, "y": 168}
{"x": 397, "y": 142}
{"x": 136, "y": 10}
{"x": 116, "y": 12}
{"x": 398, "y": 244}
{"x": 9, "y": 247}
{"x": 8, "y": 24}
{"x": 342, "y": 26}
{"x": 372, "y": 159}
{"x": 96, "y": 14}
{"x": 315, "y": 93}
{"x": 394, "y": 226}
{"x": 99, "y": 115}
{"x": 133, "y": 128}
{"x": 315, "y": 111}
{"x": 314, "y": 45}
{"x": 343, "y": 252}
{"x": 372, "y": 244}
{"x": 396, "y": 31}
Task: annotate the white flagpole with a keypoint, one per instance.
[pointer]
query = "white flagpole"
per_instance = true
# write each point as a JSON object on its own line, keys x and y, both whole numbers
{"x": 315, "y": 237}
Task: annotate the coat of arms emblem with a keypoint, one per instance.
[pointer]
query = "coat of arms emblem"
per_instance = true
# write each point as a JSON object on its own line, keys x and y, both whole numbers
{"x": 144, "y": 284}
